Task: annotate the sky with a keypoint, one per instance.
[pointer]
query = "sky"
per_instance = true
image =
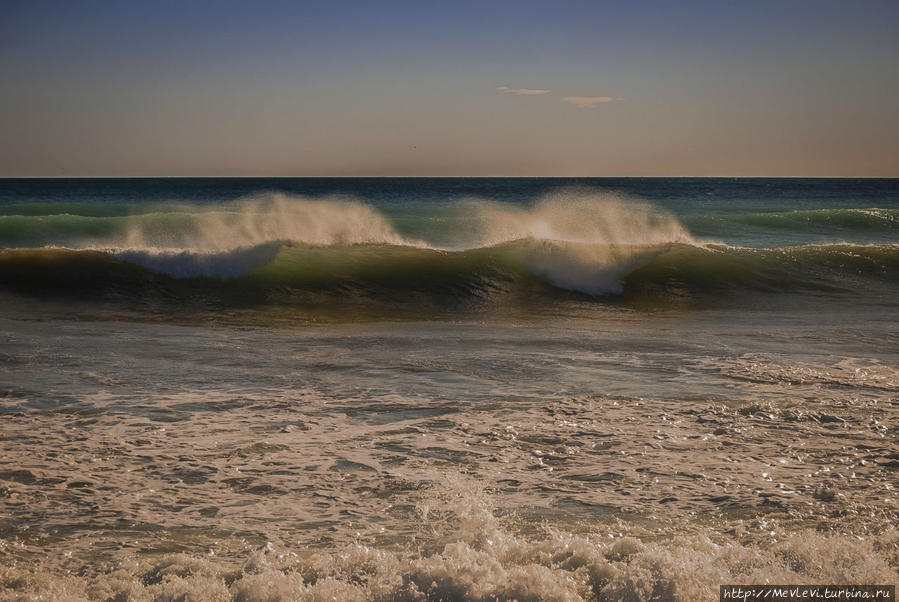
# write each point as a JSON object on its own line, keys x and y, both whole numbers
{"x": 504, "y": 88}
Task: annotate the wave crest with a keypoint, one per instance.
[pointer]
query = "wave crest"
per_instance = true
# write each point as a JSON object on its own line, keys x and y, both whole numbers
{"x": 265, "y": 219}
{"x": 579, "y": 217}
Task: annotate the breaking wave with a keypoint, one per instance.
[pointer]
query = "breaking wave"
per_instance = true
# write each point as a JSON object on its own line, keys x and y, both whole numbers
{"x": 246, "y": 223}
{"x": 285, "y": 249}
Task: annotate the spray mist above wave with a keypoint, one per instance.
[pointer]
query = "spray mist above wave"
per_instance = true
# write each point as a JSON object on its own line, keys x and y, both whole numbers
{"x": 248, "y": 235}
{"x": 583, "y": 241}
{"x": 569, "y": 215}
{"x": 578, "y": 216}
{"x": 575, "y": 239}
{"x": 226, "y": 226}
{"x": 267, "y": 219}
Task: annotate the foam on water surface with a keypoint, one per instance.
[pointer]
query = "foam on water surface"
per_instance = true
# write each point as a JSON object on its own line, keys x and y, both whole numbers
{"x": 481, "y": 560}
{"x": 255, "y": 489}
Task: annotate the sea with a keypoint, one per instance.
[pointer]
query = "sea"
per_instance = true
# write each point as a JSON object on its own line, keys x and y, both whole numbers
{"x": 446, "y": 388}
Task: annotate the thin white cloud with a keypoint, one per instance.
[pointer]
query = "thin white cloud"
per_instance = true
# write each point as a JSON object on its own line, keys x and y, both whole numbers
{"x": 587, "y": 102}
{"x": 521, "y": 91}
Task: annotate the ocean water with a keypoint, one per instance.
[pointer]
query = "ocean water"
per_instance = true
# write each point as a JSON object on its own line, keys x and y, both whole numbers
{"x": 446, "y": 389}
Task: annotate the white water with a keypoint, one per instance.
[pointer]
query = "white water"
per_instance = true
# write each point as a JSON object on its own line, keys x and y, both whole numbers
{"x": 481, "y": 560}
{"x": 578, "y": 217}
{"x": 578, "y": 241}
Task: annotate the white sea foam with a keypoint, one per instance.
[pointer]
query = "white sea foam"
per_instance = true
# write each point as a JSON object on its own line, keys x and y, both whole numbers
{"x": 482, "y": 560}
{"x": 190, "y": 264}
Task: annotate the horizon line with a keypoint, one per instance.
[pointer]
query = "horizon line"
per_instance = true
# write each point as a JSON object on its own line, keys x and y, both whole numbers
{"x": 434, "y": 177}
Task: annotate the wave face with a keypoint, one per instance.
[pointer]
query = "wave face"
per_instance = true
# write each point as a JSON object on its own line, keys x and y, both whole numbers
{"x": 397, "y": 274}
{"x": 279, "y": 248}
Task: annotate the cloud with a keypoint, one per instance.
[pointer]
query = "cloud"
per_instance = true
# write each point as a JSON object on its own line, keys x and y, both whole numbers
{"x": 587, "y": 102}
{"x": 521, "y": 91}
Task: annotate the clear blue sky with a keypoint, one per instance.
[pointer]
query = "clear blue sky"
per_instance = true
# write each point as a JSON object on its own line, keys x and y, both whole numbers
{"x": 449, "y": 88}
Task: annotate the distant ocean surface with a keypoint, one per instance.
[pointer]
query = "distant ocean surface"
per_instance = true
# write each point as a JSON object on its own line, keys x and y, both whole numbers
{"x": 446, "y": 388}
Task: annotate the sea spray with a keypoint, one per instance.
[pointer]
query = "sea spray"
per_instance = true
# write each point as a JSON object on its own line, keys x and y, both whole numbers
{"x": 581, "y": 241}
{"x": 255, "y": 220}
{"x": 266, "y": 219}
{"x": 577, "y": 240}
{"x": 580, "y": 217}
